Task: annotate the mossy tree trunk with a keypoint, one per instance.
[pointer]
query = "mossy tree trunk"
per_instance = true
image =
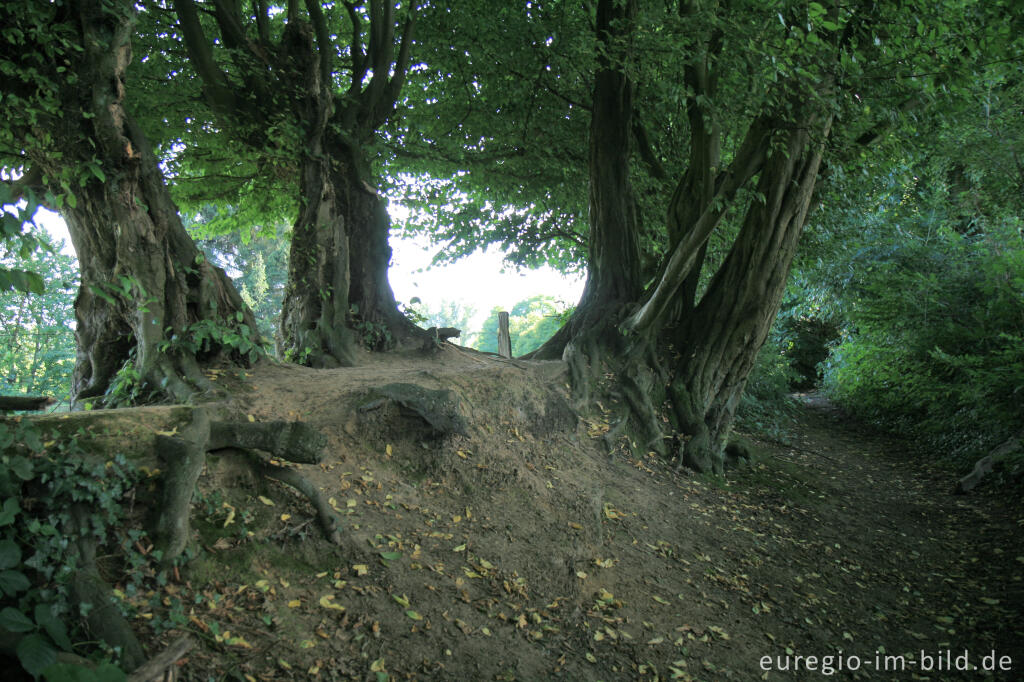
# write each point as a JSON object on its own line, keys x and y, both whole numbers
{"x": 144, "y": 284}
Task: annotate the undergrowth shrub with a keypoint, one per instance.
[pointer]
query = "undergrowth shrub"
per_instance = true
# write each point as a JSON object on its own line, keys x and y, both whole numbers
{"x": 766, "y": 405}
{"x": 935, "y": 347}
{"x": 40, "y": 482}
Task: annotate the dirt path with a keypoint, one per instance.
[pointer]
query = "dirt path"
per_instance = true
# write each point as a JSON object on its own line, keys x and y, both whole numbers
{"x": 520, "y": 549}
{"x": 899, "y": 564}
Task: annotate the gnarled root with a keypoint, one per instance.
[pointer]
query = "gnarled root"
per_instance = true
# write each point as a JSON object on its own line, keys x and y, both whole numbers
{"x": 184, "y": 456}
{"x": 328, "y": 521}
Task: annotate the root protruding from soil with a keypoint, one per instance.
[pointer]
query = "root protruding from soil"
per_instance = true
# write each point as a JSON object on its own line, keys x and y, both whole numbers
{"x": 184, "y": 457}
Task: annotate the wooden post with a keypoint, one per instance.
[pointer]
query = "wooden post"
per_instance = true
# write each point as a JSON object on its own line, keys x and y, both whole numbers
{"x": 504, "y": 340}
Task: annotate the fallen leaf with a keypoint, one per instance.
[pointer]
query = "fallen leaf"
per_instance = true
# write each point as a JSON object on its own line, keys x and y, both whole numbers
{"x": 327, "y": 601}
{"x": 414, "y": 615}
{"x": 266, "y": 500}
{"x": 403, "y": 600}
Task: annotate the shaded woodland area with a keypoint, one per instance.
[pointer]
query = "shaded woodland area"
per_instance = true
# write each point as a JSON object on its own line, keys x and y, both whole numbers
{"x": 261, "y": 454}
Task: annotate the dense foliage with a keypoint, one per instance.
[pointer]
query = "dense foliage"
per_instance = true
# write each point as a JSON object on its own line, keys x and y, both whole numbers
{"x": 37, "y": 338}
{"x": 52, "y": 495}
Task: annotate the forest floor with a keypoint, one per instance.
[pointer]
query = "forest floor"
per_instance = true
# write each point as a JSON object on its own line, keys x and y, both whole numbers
{"x": 521, "y": 549}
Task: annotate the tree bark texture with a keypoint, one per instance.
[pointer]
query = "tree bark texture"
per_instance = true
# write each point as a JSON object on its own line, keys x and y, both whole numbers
{"x": 143, "y": 281}
{"x": 718, "y": 342}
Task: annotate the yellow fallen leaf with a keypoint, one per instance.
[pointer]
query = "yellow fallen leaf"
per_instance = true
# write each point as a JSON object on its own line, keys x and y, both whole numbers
{"x": 377, "y": 666}
{"x": 460, "y": 548}
{"x": 581, "y": 575}
{"x": 307, "y": 644}
{"x": 656, "y": 640}
{"x": 266, "y": 500}
{"x": 660, "y": 600}
{"x": 251, "y": 418}
{"x": 387, "y": 449}
{"x": 360, "y": 569}
{"x": 294, "y": 603}
{"x": 327, "y": 601}
{"x": 486, "y": 564}
{"x": 574, "y": 525}
{"x": 605, "y": 563}
{"x": 350, "y": 503}
{"x": 590, "y": 657}
{"x": 285, "y": 517}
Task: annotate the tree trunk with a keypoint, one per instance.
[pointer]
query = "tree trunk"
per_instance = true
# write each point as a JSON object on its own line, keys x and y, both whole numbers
{"x": 613, "y": 278}
{"x": 375, "y": 315}
{"x": 144, "y": 284}
{"x": 316, "y": 302}
{"x": 718, "y": 343}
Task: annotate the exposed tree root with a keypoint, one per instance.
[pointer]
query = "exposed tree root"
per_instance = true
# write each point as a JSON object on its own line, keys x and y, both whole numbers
{"x": 158, "y": 666}
{"x": 325, "y": 515}
{"x": 184, "y": 456}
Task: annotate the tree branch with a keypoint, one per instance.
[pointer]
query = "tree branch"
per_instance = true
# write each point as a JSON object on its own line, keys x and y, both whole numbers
{"x": 259, "y": 9}
{"x": 355, "y": 49}
{"x": 643, "y": 143}
{"x": 229, "y": 19}
{"x": 325, "y": 47}
{"x": 216, "y": 88}
{"x": 749, "y": 159}
{"x": 394, "y": 88}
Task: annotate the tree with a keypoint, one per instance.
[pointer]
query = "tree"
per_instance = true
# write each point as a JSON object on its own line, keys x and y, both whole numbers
{"x": 150, "y": 309}
{"x": 677, "y": 305}
{"x": 37, "y": 338}
{"x": 276, "y": 87}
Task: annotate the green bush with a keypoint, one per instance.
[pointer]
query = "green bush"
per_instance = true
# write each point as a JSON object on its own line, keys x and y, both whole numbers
{"x": 935, "y": 348}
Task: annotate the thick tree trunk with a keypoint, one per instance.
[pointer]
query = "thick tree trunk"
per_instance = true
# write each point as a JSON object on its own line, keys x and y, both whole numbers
{"x": 613, "y": 278}
{"x": 338, "y": 292}
{"x": 316, "y": 303}
{"x": 143, "y": 282}
{"x": 375, "y": 315}
{"x": 719, "y": 341}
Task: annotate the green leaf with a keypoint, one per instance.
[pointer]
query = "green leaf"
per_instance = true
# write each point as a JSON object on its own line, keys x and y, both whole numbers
{"x": 36, "y": 653}
{"x": 22, "y": 466}
{"x": 54, "y": 626}
{"x": 10, "y": 554}
{"x": 390, "y": 556}
{"x": 10, "y": 511}
{"x": 16, "y": 621}
{"x": 13, "y": 582}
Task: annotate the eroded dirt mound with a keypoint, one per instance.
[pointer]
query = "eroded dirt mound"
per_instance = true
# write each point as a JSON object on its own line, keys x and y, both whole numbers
{"x": 489, "y": 535}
